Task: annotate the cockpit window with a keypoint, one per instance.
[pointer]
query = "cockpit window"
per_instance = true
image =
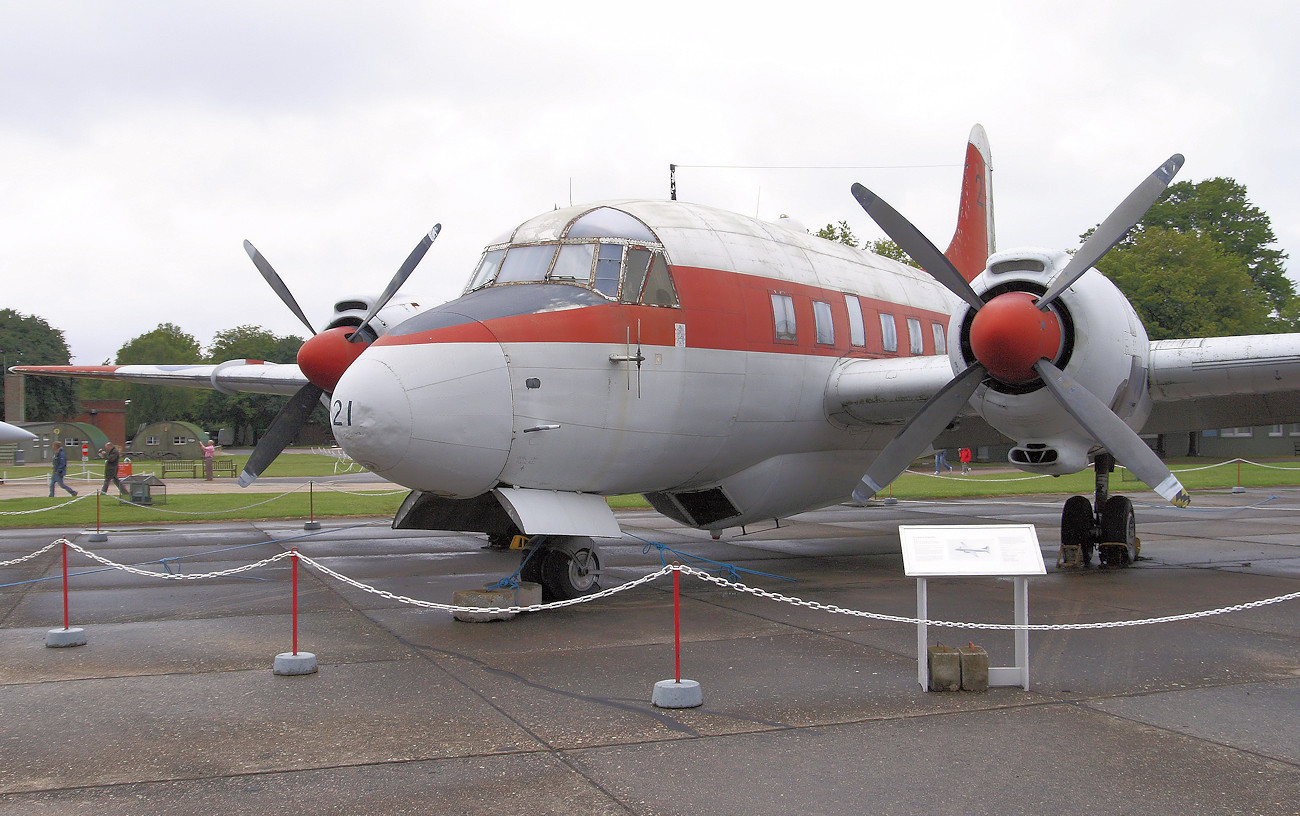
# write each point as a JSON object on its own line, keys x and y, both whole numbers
{"x": 606, "y": 222}
{"x": 574, "y": 264}
{"x": 604, "y": 250}
{"x": 526, "y": 263}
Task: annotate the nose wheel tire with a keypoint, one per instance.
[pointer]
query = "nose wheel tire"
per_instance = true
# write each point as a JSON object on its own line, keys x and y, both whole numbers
{"x": 1076, "y": 526}
{"x": 1118, "y": 527}
{"x": 567, "y": 567}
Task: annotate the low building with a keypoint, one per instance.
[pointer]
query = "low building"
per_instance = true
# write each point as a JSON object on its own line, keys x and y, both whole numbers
{"x": 172, "y": 439}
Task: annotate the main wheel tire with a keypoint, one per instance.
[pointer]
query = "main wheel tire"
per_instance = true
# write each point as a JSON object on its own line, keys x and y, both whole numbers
{"x": 1076, "y": 526}
{"x": 1119, "y": 526}
{"x": 570, "y": 574}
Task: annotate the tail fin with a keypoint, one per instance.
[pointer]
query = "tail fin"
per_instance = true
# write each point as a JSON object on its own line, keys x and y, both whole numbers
{"x": 973, "y": 242}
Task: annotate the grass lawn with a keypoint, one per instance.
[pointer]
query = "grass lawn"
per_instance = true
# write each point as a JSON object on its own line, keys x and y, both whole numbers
{"x": 1196, "y": 474}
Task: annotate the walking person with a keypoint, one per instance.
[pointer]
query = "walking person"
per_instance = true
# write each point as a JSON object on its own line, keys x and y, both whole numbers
{"x": 111, "y": 456}
{"x": 209, "y": 449}
{"x": 60, "y": 469}
{"x": 941, "y": 461}
{"x": 964, "y": 455}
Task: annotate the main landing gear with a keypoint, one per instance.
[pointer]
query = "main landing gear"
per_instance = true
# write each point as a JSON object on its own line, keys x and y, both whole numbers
{"x": 1106, "y": 524}
{"x": 567, "y": 567}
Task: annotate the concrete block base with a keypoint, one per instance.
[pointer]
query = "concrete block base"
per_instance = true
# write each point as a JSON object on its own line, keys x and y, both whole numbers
{"x": 974, "y": 668}
{"x": 674, "y": 694}
{"x": 945, "y": 668}
{"x": 527, "y": 594}
{"x": 311, "y": 525}
{"x": 288, "y": 664}
{"x": 97, "y": 536}
{"x": 61, "y": 638}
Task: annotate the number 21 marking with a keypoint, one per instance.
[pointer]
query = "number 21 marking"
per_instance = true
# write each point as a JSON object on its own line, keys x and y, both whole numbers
{"x": 340, "y": 416}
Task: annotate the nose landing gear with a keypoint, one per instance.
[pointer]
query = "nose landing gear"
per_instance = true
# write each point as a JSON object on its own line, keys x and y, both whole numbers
{"x": 567, "y": 567}
{"x": 1106, "y": 525}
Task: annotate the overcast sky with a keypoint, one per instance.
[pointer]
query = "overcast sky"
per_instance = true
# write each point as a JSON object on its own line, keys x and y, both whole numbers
{"x": 142, "y": 142}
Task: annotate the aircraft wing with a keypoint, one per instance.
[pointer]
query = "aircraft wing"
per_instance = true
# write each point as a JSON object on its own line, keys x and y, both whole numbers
{"x": 231, "y": 377}
{"x": 1224, "y": 382}
{"x": 1195, "y": 384}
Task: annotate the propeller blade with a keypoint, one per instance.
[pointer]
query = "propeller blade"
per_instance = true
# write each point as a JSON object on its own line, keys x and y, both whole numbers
{"x": 277, "y": 285}
{"x": 1114, "y": 228}
{"x": 282, "y": 431}
{"x": 919, "y": 432}
{"x": 910, "y": 240}
{"x": 408, "y": 267}
{"x": 1112, "y": 432}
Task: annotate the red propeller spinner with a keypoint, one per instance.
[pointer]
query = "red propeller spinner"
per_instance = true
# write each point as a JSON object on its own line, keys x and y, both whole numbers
{"x": 1009, "y": 334}
{"x": 325, "y": 356}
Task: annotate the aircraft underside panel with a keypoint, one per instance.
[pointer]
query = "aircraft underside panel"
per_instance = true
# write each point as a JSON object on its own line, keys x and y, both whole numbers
{"x": 688, "y": 418}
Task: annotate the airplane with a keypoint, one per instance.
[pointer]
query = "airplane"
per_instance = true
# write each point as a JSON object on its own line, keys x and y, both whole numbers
{"x": 733, "y": 370}
{"x": 12, "y": 433}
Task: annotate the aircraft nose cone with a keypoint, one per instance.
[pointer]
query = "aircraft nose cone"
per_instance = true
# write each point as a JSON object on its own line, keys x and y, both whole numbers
{"x": 431, "y": 416}
{"x": 370, "y": 413}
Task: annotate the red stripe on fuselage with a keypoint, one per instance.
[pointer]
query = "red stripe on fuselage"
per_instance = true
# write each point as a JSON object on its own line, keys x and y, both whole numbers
{"x": 721, "y": 310}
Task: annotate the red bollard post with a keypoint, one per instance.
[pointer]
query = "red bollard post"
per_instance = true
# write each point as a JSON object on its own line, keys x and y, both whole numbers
{"x": 312, "y": 523}
{"x": 294, "y": 559}
{"x": 67, "y": 636}
{"x": 677, "y": 693}
{"x": 98, "y": 535}
{"x": 64, "y": 548}
{"x": 677, "y": 627}
{"x": 295, "y": 662}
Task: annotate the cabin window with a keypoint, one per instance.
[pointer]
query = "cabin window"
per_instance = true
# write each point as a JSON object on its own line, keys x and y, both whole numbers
{"x": 178, "y": 440}
{"x": 889, "y": 332}
{"x": 1276, "y": 430}
{"x": 783, "y": 318}
{"x": 940, "y": 344}
{"x": 857, "y": 330}
{"x": 823, "y": 323}
{"x": 1295, "y": 429}
{"x": 915, "y": 344}
{"x": 1241, "y": 433}
{"x": 151, "y": 440}
{"x": 609, "y": 263}
{"x": 573, "y": 264}
{"x": 526, "y": 264}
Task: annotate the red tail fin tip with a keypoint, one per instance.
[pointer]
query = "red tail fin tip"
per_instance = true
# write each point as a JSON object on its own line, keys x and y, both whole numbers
{"x": 973, "y": 241}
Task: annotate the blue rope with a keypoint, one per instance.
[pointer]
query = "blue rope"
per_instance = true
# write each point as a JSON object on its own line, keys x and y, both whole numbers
{"x": 733, "y": 571}
{"x": 511, "y": 581}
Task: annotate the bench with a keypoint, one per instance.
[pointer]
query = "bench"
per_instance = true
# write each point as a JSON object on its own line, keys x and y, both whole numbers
{"x": 223, "y": 466}
{"x": 181, "y": 467}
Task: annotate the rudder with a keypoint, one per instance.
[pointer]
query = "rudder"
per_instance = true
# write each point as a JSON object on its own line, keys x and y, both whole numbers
{"x": 973, "y": 241}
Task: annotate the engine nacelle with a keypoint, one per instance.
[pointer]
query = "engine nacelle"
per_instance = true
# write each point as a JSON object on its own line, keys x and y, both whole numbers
{"x": 1104, "y": 347}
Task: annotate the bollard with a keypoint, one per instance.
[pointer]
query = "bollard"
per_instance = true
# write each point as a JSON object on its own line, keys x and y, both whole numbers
{"x": 677, "y": 693}
{"x": 67, "y": 636}
{"x": 98, "y": 535}
{"x": 312, "y": 523}
{"x": 288, "y": 664}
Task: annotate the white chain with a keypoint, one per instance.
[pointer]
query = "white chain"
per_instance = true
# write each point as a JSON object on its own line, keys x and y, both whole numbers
{"x": 72, "y": 500}
{"x": 645, "y": 579}
{"x": 175, "y": 576}
{"x": 29, "y": 556}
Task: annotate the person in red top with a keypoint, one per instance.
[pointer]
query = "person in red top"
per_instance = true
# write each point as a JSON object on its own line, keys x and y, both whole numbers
{"x": 964, "y": 455}
{"x": 209, "y": 448}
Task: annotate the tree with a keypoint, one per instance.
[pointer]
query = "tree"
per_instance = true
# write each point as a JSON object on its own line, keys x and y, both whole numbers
{"x": 249, "y": 415}
{"x": 888, "y": 249}
{"x": 840, "y": 233}
{"x": 1185, "y": 284}
{"x": 1219, "y": 210}
{"x": 29, "y": 339}
{"x": 167, "y": 344}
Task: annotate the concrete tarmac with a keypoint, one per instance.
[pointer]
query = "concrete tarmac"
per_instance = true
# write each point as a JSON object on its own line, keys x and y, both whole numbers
{"x": 171, "y": 707}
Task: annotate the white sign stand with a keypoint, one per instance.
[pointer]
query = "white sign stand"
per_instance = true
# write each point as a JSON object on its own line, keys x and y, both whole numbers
{"x": 992, "y": 550}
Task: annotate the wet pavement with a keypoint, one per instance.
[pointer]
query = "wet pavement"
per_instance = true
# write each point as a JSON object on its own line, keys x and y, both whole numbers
{"x": 172, "y": 707}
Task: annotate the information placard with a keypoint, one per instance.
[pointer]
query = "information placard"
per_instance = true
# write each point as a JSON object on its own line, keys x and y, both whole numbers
{"x": 934, "y": 550}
